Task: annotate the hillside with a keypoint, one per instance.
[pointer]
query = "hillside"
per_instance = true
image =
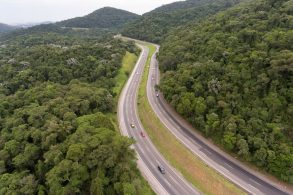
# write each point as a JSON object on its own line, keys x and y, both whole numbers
{"x": 103, "y": 18}
{"x": 155, "y": 25}
{"x": 6, "y": 28}
{"x": 50, "y": 29}
{"x": 57, "y": 129}
{"x": 180, "y": 5}
{"x": 231, "y": 76}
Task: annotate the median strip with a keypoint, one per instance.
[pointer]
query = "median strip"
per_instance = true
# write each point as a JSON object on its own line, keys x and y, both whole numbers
{"x": 192, "y": 168}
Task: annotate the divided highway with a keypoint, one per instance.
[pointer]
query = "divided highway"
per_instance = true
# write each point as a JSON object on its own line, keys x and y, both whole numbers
{"x": 148, "y": 157}
{"x": 245, "y": 178}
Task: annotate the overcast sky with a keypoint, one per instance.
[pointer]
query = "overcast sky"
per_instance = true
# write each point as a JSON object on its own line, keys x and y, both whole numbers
{"x": 24, "y": 11}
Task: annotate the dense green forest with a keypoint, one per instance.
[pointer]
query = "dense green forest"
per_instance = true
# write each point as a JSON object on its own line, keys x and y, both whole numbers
{"x": 57, "y": 135}
{"x": 107, "y": 17}
{"x": 231, "y": 77}
{"x": 180, "y": 5}
{"x": 155, "y": 25}
{"x": 49, "y": 30}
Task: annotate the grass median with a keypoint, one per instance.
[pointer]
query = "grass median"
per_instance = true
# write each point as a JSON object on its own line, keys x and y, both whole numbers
{"x": 204, "y": 178}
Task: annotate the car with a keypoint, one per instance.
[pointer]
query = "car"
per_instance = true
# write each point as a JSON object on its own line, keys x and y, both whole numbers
{"x": 142, "y": 134}
{"x": 157, "y": 95}
{"x": 132, "y": 125}
{"x": 161, "y": 169}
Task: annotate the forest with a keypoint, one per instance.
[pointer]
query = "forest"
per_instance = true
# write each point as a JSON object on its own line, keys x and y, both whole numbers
{"x": 106, "y": 17}
{"x": 231, "y": 77}
{"x": 57, "y": 129}
{"x": 155, "y": 25}
{"x": 226, "y": 68}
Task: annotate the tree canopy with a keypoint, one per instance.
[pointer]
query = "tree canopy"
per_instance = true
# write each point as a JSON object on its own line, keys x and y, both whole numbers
{"x": 155, "y": 25}
{"x": 106, "y": 17}
{"x": 56, "y": 136}
{"x": 231, "y": 77}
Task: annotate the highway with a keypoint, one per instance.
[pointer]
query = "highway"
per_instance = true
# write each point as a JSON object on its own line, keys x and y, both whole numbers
{"x": 232, "y": 169}
{"x": 148, "y": 157}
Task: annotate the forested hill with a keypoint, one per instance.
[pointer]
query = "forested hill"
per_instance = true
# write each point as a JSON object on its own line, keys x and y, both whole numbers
{"x": 180, "y": 5}
{"x": 106, "y": 17}
{"x": 231, "y": 76}
{"x": 155, "y": 25}
{"x": 57, "y": 135}
{"x": 5, "y": 27}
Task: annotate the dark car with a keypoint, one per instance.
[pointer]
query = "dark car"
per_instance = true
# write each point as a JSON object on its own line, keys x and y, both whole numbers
{"x": 162, "y": 169}
{"x": 142, "y": 134}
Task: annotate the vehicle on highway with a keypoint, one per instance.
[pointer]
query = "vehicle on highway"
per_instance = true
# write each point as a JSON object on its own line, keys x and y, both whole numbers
{"x": 142, "y": 134}
{"x": 157, "y": 95}
{"x": 132, "y": 125}
{"x": 161, "y": 169}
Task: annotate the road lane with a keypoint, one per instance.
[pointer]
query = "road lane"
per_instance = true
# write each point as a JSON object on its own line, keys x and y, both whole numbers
{"x": 148, "y": 156}
{"x": 230, "y": 168}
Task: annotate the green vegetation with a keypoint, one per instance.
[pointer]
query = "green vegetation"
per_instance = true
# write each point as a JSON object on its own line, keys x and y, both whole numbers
{"x": 231, "y": 77}
{"x": 128, "y": 64}
{"x": 48, "y": 32}
{"x": 192, "y": 168}
{"x": 56, "y": 92}
{"x": 106, "y": 17}
{"x": 155, "y": 25}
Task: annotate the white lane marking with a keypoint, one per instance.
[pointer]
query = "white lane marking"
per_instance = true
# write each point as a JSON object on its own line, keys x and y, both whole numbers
{"x": 252, "y": 180}
{"x": 255, "y": 189}
{"x": 229, "y": 165}
{"x": 167, "y": 182}
{"x": 174, "y": 180}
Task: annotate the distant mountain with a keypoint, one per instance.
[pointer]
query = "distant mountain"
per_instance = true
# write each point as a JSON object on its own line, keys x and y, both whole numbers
{"x": 153, "y": 26}
{"x": 106, "y": 17}
{"x": 6, "y": 28}
{"x": 31, "y": 24}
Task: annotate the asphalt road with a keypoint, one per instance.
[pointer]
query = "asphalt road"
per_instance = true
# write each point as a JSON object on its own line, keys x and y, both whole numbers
{"x": 232, "y": 169}
{"x": 148, "y": 157}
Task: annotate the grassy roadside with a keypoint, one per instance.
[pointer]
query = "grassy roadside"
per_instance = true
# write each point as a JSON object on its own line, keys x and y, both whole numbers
{"x": 128, "y": 63}
{"x": 192, "y": 168}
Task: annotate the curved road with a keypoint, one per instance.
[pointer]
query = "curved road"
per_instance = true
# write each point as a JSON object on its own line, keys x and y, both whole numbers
{"x": 252, "y": 182}
{"x": 148, "y": 157}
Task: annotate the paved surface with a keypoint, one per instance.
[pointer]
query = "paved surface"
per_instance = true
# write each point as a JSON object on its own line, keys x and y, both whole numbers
{"x": 148, "y": 156}
{"x": 252, "y": 182}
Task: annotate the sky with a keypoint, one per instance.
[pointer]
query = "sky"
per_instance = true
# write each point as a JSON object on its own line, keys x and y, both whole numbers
{"x": 27, "y": 11}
